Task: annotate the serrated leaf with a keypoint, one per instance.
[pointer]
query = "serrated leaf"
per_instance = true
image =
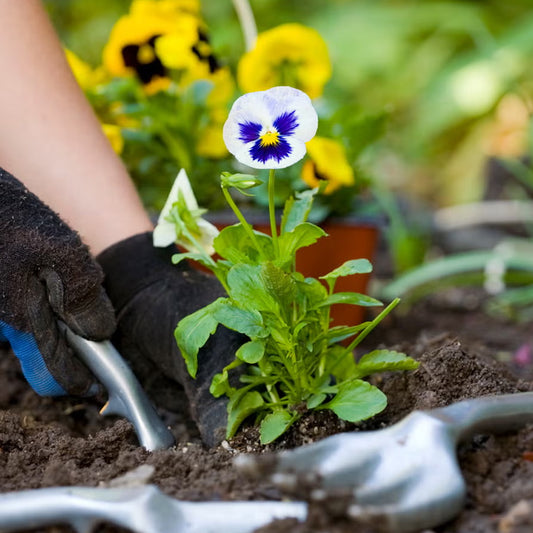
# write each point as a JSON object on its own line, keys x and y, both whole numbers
{"x": 384, "y": 360}
{"x": 301, "y": 236}
{"x": 192, "y": 333}
{"x": 274, "y": 425}
{"x": 251, "y": 352}
{"x": 246, "y": 287}
{"x": 357, "y": 400}
{"x": 351, "y": 298}
{"x": 354, "y": 266}
{"x": 240, "y": 407}
{"x": 234, "y": 244}
{"x": 246, "y": 321}
{"x": 297, "y": 209}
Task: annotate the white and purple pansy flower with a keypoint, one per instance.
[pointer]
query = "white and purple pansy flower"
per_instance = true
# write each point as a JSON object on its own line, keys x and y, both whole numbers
{"x": 269, "y": 129}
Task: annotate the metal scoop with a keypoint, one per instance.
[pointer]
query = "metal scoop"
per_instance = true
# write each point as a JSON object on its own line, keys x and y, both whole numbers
{"x": 141, "y": 509}
{"x": 126, "y": 396}
{"x": 398, "y": 479}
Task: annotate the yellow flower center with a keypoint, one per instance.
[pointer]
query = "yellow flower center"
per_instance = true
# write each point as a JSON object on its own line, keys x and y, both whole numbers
{"x": 270, "y": 138}
{"x": 145, "y": 54}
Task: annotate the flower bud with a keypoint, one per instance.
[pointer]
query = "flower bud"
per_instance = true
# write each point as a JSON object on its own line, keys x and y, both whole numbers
{"x": 239, "y": 181}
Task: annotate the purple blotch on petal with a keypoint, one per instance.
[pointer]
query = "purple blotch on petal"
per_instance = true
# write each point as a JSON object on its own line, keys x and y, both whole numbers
{"x": 249, "y": 131}
{"x": 278, "y": 151}
{"x": 286, "y": 123}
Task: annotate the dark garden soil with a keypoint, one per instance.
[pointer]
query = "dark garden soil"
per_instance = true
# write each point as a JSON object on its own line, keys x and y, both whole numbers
{"x": 463, "y": 353}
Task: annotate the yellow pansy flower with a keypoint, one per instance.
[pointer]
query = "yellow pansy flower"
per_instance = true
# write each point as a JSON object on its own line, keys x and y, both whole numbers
{"x": 131, "y": 49}
{"x": 85, "y": 75}
{"x": 210, "y": 141}
{"x": 164, "y": 8}
{"x": 327, "y": 161}
{"x": 290, "y": 54}
{"x": 114, "y": 136}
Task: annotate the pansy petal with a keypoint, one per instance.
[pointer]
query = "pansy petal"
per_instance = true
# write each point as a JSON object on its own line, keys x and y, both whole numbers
{"x": 268, "y": 129}
{"x": 164, "y": 234}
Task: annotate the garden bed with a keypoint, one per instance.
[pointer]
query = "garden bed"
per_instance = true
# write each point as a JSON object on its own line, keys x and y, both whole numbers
{"x": 463, "y": 353}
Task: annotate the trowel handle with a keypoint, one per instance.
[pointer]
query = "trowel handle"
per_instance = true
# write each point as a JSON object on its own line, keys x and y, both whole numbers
{"x": 490, "y": 414}
{"x": 126, "y": 396}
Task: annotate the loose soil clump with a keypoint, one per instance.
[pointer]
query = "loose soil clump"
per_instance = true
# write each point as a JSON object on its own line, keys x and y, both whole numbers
{"x": 463, "y": 353}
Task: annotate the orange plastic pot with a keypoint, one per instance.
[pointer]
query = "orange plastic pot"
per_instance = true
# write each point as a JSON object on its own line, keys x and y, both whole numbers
{"x": 348, "y": 238}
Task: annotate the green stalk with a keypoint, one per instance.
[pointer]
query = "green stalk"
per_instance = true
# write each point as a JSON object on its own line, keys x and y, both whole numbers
{"x": 272, "y": 211}
{"x": 373, "y": 324}
{"x": 249, "y": 230}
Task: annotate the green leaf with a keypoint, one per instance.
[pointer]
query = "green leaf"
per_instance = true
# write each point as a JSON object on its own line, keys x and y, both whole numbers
{"x": 199, "y": 258}
{"x": 192, "y": 333}
{"x": 220, "y": 385}
{"x": 246, "y": 321}
{"x": 251, "y": 352}
{"x": 297, "y": 209}
{"x": 302, "y": 235}
{"x": 352, "y": 298}
{"x": 315, "y": 400}
{"x": 357, "y": 400}
{"x": 313, "y": 291}
{"x": 354, "y": 266}
{"x": 279, "y": 283}
{"x": 246, "y": 287}
{"x": 341, "y": 363}
{"x": 234, "y": 244}
{"x": 384, "y": 360}
{"x": 274, "y": 425}
{"x": 240, "y": 407}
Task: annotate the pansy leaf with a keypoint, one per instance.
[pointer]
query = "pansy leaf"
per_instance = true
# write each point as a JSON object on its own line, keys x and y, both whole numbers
{"x": 352, "y": 298}
{"x": 341, "y": 363}
{"x": 354, "y": 266}
{"x": 384, "y": 360}
{"x": 240, "y": 407}
{"x": 315, "y": 400}
{"x": 279, "y": 283}
{"x": 357, "y": 400}
{"x": 246, "y": 287}
{"x": 234, "y": 244}
{"x": 192, "y": 333}
{"x": 220, "y": 385}
{"x": 313, "y": 291}
{"x": 274, "y": 425}
{"x": 302, "y": 235}
{"x": 251, "y": 352}
{"x": 193, "y": 256}
{"x": 297, "y": 209}
{"x": 247, "y": 321}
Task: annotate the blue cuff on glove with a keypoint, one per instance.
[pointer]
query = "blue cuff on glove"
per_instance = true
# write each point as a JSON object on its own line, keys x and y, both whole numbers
{"x": 33, "y": 367}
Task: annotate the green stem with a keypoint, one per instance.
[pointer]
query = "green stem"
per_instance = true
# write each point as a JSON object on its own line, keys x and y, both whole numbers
{"x": 272, "y": 211}
{"x": 373, "y": 324}
{"x": 249, "y": 230}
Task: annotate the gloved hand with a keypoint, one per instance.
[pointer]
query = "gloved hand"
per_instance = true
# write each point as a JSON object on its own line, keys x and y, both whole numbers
{"x": 150, "y": 296}
{"x": 47, "y": 274}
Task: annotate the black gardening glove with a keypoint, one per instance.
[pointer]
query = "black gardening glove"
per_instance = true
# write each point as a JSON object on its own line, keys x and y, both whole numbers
{"x": 46, "y": 274}
{"x": 150, "y": 296}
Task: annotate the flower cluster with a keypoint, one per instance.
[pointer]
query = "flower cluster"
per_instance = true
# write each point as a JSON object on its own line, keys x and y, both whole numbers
{"x": 163, "y": 95}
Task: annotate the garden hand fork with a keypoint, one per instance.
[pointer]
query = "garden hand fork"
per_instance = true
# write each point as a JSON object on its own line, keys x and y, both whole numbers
{"x": 399, "y": 479}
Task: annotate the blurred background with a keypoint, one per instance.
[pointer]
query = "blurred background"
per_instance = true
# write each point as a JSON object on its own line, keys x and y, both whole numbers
{"x": 455, "y": 79}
